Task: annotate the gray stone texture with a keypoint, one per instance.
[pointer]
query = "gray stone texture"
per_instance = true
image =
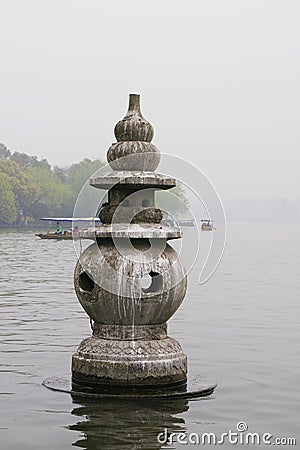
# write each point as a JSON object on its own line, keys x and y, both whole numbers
{"x": 116, "y": 296}
{"x": 129, "y": 332}
{"x": 134, "y": 127}
{"x": 134, "y": 362}
{"x": 134, "y": 231}
{"x": 133, "y": 155}
{"x": 133, "y": 214}
{"x": 134, "y": 180}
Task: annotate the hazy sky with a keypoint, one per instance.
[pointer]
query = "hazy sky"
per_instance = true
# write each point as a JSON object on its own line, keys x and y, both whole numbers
{"x": 219, "y": 81}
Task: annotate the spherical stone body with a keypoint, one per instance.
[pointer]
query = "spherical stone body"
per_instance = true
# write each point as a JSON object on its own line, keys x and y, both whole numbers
{"x": 109, "y": 282}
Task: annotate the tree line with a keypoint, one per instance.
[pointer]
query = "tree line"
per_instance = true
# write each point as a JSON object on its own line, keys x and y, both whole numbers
{"x": 30, "y": 188}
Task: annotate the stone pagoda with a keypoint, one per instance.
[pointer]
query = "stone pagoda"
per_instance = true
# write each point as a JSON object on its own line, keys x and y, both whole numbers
{"x": 130, "y": 281}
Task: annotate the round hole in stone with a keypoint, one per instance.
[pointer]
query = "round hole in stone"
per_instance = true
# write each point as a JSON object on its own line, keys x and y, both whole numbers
{"x": 152, "y": 282}
{"x": 142, "y": 245}
{"x": 85, "y": 282}
{"x": 145, "y": 282}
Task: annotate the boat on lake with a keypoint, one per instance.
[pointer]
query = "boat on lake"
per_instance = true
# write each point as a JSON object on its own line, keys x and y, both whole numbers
{"x": 60, "y": 233}
{"x": 207, "y": 225}
{"x": 66, "y": 235}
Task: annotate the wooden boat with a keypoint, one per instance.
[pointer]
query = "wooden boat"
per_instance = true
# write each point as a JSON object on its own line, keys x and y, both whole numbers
{"x": 66, "y": 235}
{"x": 207, "y": 225}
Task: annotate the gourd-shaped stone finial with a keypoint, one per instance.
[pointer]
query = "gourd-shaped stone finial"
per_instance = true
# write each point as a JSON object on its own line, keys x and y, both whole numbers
{"x": 134, "y": 127}
{"x": 133, "y": 151}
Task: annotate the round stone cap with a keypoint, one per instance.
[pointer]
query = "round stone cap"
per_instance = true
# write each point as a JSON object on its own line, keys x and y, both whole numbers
{"x": 137, "y": 179}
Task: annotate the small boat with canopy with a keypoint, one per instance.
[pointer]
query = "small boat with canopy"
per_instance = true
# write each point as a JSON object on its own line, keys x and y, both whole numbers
{"x": 207, "y": 225}
{"x": 58, "y": 232}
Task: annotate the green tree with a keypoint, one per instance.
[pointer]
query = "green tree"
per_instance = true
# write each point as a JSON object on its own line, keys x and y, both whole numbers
{"x": 24, "y": 161}
{"x": 30, "y": 189}
{"x": 60, "y": 173}
{"x": 8, "y": 204}
{"x": 4, "y": 152}
{"x": 79, "y": 173}
{"x": 52, "y": 197}
{"x": 23, "y": 191}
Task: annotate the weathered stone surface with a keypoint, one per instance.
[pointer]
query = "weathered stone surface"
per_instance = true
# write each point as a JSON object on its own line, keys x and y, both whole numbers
{"x": 134, "y": 127}
{"x": 133, "y": 155}
{"x": 115, "y": 295}
{"x": 129, "y": 332}
{"x": 133, "y": 231}
{"x": 134, "y": 179}
{"x": 135, "y": 362}
{"x": 132, "y": 214}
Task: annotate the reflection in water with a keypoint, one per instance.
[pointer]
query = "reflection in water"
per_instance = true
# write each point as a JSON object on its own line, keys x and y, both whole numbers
{"x": 119, "y": 425}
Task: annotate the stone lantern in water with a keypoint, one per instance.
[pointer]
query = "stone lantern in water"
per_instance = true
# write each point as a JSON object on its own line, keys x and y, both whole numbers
{"x": 130, "y": 347}
{"x": 130, "y": 281}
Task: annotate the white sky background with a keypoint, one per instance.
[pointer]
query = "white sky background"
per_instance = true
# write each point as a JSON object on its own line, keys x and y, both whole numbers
{"x": 219, "y": 81}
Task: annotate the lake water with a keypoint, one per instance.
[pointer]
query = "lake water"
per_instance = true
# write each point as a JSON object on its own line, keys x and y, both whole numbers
{"x": 241, "y": 329}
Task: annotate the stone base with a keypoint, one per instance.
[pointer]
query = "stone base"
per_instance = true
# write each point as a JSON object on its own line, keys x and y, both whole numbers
{"x": 129, "y": 363}
{"x": 195, "y": 389}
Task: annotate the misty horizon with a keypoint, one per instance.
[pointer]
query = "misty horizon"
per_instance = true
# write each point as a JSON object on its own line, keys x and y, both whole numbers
{"x": 219, "y": 83}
